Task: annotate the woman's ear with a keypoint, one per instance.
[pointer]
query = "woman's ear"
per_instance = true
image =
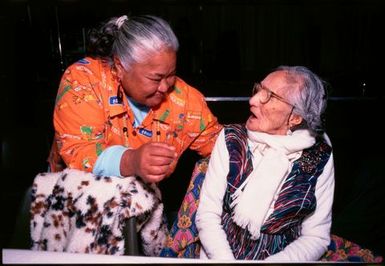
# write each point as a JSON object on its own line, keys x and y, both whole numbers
{"x": 295, "y": 120}
{"x": 119, "y": 67}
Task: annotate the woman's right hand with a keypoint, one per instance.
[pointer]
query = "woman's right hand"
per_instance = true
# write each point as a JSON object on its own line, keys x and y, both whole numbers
{"x": 151, "y": 161}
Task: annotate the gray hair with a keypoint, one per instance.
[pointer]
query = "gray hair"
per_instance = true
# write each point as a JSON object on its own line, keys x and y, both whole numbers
{"x": 131, "y": 39}
{"x": 307, "y": 93}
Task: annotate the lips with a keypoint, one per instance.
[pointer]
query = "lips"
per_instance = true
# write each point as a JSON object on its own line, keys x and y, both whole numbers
{"x": 158, "y": 95}
{"x": 252, "y": 115}
{"x": 252, "y": 118}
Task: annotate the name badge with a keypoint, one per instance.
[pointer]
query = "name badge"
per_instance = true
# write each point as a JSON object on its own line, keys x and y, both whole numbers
{"x": 145, "y": 132}
{"x": 114, "y": 100}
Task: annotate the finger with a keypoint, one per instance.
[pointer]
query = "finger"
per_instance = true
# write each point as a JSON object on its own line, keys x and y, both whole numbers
{"x": 162, "y": 152}
{"x": 160, "y": 160}
{"x": 158, "y": 170}
{"x": 153, "y": 178}
{"x": 163, "y": 145}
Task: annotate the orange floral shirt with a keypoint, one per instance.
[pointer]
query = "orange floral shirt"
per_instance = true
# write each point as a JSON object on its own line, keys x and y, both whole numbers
{"x": 91, "y": 114}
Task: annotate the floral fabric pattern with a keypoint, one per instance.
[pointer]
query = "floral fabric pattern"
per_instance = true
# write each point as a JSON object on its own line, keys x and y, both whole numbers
{"x": 183, "y": 240}
{"x": 341, "y": 249}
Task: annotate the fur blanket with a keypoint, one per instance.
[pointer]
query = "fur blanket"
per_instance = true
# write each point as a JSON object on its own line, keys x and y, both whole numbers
{"x": 75, "y": 211}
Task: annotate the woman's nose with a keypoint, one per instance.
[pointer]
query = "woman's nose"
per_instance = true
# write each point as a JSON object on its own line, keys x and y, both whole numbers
{"x": 164, "y": 85}
{"x": 254, "y": 100}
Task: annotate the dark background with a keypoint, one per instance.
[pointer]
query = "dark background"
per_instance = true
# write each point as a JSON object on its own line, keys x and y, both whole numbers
{"x": 225, "y": 45}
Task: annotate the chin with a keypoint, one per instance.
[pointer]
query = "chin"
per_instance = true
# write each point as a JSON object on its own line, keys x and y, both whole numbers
{"x": 251, "y": 128}
{"x": 253, "y": 124}
{"x": 249, "y": 125}
{"x": 154, "y": 102}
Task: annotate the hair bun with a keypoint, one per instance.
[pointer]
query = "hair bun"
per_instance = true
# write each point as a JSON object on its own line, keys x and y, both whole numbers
{"x": 119, "y": 22}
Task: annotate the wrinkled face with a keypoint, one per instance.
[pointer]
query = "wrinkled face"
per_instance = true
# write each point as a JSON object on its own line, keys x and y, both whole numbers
{"x": 275, "y": 116}
{"x": 148, "y": 82}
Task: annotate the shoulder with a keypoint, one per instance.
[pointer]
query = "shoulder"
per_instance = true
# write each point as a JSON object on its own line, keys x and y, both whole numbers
{"x": 186, "y": 97}
{"x": 187, "y": 91}
{"x": 86, "y": 62}
{"x": 87, "y": 67}
{"x": 85, "y": 76}
{"x": 316, "y": 157}
{"x": 323, "y": 144}
{"x": 235, "y": 136}
{"x": 235, "y": 129}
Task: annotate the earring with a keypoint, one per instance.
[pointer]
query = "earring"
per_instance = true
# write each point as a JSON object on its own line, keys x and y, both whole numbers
{"x": 120, "y": 93}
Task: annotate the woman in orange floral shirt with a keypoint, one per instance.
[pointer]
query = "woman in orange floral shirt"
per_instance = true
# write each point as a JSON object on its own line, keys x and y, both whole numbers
{"x": 123, "y": 111}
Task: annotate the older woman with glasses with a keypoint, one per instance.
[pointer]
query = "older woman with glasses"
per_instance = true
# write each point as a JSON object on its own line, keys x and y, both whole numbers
{"x": 268, "y": 190}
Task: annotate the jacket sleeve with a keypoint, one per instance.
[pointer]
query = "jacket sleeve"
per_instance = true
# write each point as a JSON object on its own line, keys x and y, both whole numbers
{"x": 208, "y": 219}
{"x": 315, "y": 232}
{"x": 79, "y": 118}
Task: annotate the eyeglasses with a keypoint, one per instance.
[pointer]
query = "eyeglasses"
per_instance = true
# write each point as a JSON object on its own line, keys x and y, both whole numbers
{"x": 265, "y": 94}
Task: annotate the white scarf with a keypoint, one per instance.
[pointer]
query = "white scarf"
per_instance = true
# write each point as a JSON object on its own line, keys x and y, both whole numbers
{"x": 253, "y": 203}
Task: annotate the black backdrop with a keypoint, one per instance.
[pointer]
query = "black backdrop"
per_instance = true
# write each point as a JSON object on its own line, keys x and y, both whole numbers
{"x": 225, "y": 45}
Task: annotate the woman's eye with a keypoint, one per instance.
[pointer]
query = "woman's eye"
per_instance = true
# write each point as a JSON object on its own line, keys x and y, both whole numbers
{"x": 155, "y": 79}
{"x": 172, "y": 77}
